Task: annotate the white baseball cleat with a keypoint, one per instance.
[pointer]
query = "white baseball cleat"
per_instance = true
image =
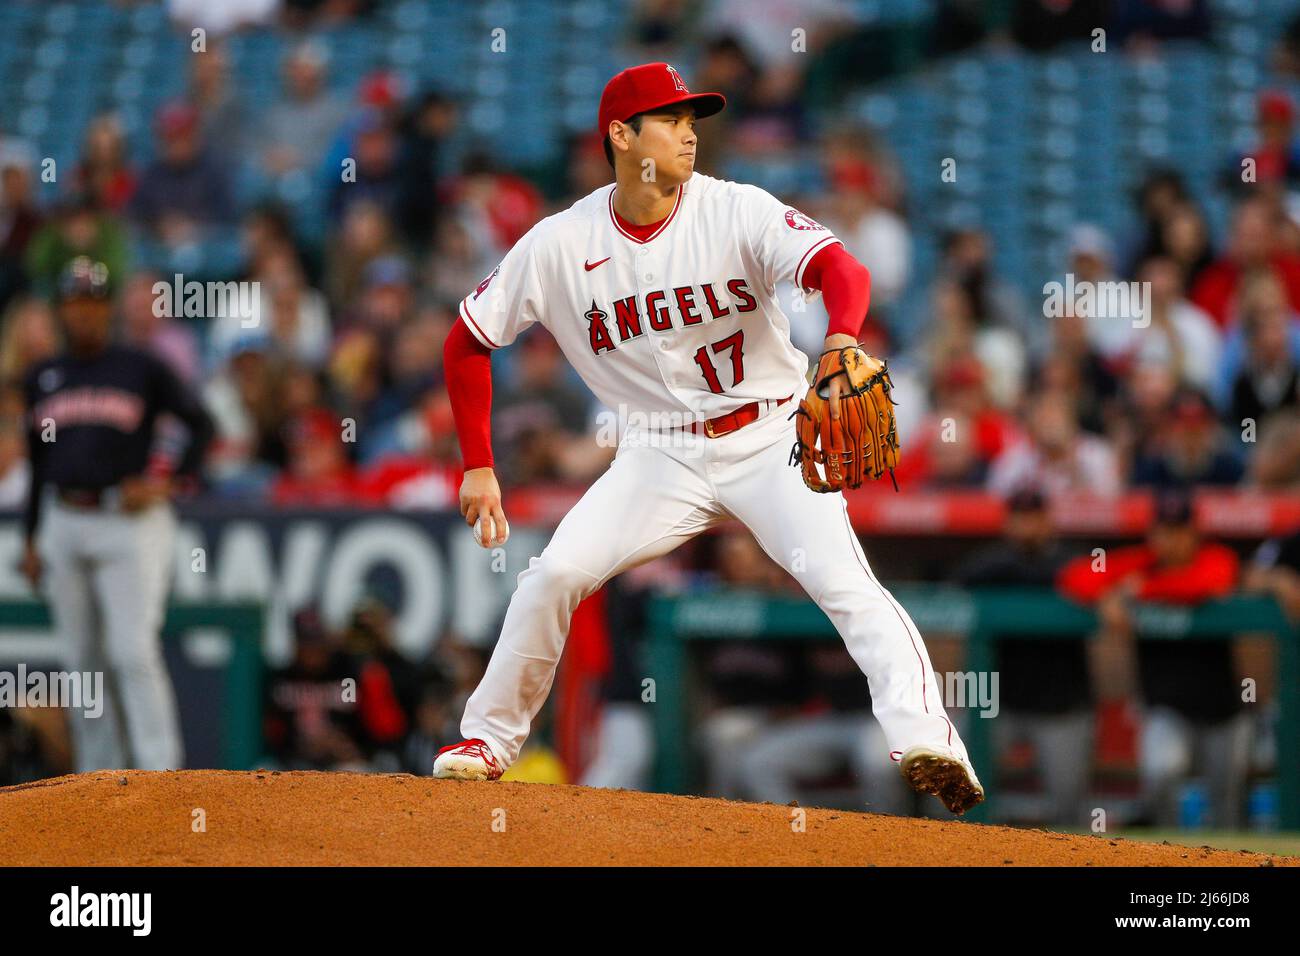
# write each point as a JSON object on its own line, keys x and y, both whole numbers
{"x": 943, "y": 773}
{"x": 467, "y": 760}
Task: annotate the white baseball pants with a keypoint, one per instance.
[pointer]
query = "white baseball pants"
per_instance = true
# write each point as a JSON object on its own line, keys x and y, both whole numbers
{"x": 663, "y": 489}
{"x": 106, "y": 578}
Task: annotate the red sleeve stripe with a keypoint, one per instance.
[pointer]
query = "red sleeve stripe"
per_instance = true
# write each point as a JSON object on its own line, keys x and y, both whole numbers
{"x": 807, "y": 257}
{"x": 473, "y": 327}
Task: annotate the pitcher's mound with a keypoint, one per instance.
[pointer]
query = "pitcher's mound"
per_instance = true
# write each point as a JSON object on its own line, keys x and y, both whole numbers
{"x": 267, "y": 818}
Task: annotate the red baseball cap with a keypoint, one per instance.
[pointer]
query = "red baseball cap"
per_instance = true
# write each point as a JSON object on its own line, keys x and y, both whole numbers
{"x": 176, "y": 118}
{"x": 312, "y": 426}
{"x": 1275, "y": 107}
{"x": 651, "y": 86}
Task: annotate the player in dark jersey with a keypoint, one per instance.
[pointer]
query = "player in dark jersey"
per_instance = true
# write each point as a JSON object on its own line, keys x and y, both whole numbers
{"x": 99, "y": 524}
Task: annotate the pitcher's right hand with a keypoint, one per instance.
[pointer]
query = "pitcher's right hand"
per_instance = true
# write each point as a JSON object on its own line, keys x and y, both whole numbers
{"x": 480, "y": 503}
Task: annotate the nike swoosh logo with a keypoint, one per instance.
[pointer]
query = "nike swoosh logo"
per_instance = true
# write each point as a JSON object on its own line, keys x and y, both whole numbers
{"x": 591, "y": 265}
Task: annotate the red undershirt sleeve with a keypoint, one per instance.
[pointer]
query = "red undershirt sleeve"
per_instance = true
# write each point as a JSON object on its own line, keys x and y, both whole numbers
{"x": 845, "y": 285}
{"x": 467, "y": 365}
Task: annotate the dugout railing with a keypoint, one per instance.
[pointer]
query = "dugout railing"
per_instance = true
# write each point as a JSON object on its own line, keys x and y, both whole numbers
{"x": 981, "y": 616}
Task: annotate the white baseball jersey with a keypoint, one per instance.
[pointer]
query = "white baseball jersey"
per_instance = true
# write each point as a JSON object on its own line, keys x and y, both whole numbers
{"x": 684, "y": 323}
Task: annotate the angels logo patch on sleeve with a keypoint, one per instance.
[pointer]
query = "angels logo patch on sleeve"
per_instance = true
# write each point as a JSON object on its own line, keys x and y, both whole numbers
{"x": 782, "y": 238}
{"x": 797, "y": 220}
{"x": 482, "y": 286}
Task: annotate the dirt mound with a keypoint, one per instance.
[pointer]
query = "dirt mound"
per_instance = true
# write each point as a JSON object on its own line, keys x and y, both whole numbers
{"x": 268, "y": 818}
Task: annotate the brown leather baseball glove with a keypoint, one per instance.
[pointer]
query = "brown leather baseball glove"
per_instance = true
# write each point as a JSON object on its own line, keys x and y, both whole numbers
{"x": 863, "y": 442}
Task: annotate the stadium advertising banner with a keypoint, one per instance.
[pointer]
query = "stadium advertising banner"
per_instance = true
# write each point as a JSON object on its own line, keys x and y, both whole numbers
{"x": 423, "y": 564}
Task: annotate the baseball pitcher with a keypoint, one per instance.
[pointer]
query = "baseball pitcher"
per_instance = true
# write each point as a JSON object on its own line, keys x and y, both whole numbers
{"x": 660, "y": 289}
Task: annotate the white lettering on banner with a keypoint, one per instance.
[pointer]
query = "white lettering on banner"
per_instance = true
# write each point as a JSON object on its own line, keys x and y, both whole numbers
{"x": 287, "y": 561}
{"x": 406, "y": 548}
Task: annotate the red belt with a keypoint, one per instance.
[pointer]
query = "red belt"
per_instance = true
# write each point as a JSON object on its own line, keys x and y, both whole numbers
{"x": 82, "y": 497}
{"x": 733, "y": 421}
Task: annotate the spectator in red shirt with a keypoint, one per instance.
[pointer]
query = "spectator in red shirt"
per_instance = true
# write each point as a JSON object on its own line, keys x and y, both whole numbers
{"x": 1253, "y": 245}
{"x": 1192, "y": 716}
{"x": 420, "y": 467}
{"x": 1174, "y": 565}
{"x": 505, "y": 204}
{"x": 319, "y": 473}
{"x": 388, "y": 685}
{"x": 1276, "y": 153}
{"x": 965, "y": 433}
{"x": 105, "y": 171}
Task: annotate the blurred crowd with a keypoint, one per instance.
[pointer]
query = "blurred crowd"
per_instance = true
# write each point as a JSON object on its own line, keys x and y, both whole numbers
{"x": 348, "y": 326}
{"x": 359, "y": 281}
{"x": 335, "y": 396}
{"x": 349, "y": 700}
